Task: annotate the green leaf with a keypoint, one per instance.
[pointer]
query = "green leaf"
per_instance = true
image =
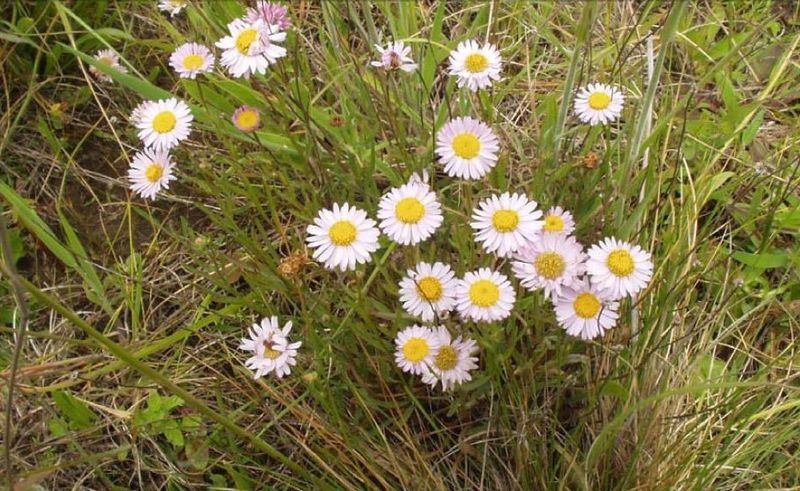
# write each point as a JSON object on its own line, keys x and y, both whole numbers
{"x": 74, "y": 410}
{"x": 763, "y": 260}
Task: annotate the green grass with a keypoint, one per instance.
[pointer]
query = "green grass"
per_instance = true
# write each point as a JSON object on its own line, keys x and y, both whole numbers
{"x": 129, "y": 373}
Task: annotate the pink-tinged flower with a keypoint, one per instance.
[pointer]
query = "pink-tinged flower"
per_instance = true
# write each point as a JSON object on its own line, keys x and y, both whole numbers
{"x": 396, "y": 56}
{"x": 273, "y": 14}
{"x": 246, "y": 119}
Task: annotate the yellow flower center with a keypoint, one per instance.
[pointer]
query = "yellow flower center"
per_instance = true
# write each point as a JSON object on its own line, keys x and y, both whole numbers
{"x": 599, "y": 100}
{"x": 247, "y": 120}
{"x": 466, "y": 145}
{"x": 476, "y": 63}
{"x": 505, "y": 220}
{"x": 553, "y": 223}
{"x": 153, "y": 172}
{"x": 105, "y": 60}
{"x": 409, "y": 210}
{"x": 484, "y": 293}
{"x": 192, "y": 61}
{"x": 269, "y": 352}
{"x": 245, "y": 39}
{"x": 164, "y": 122}
{"x": 586, "y": 305}
{"x": 620, "y": 262}
{"x": 429, "y": 288}
{"x": 550, "y": 265}
{"x": 415, "y": 350}
{"x": 446, "y": 359}
{"x": 342, "y": 233}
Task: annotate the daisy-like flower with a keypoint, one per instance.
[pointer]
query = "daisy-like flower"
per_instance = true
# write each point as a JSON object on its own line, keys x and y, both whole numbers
{"x": 619, "y": 267}
{"x": 191, "y": 59}
{"x": 150, "y": 172}
{"x": 585, "y": 311}
{"x": 550, "y": 262}
{"x": 428, "y": 290}
{"x": 251, "y": 47}
{"x": 343, "y": 237}
{"x": 557, "y": 220}
{"x": 467, "y": 148}
{"x": 411, "y": 213}
{"x": 396, "y": 56}
{"x": 475, "y": 65}
{"x": 172, "y": 7}
{"x": 273, "y": 14}
{"x": 162, "y": 124}
{"x": 598, "y": 103}
{"x": 505, "y": 223}
{"x": 416, "y": 348}
{"x": 109, "y": 58}
{"x": 453, "y": 362}
{"x": 272, "y": 351}
{"x": 484, "y": 295}
{"x": 246, "y": 119}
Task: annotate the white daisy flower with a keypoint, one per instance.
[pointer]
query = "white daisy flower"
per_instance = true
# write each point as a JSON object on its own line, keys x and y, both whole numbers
{"x": 150, "y": 172}
{"x": 272, "y": 351}
{"x": 619, "y": 267}
{"x": 343, "y": 237}
{"x": 396, "y": 56}
{"x": 172, "y": 7}
{"x": 557, "y": 220}
{"x": 453, "y": 362}
{"x": 598, "y": 103}
{"x": 416, "y": 348}
{"x": 109, "y": 58}
{"x": 475, "y": 65}
{"x": 428, "y": 290}
{"x": 251, "y": 47}
{"x": 505, "y": 223}
{"x": 585, "y": 311}
{"x": 411, "y": 213}
{"x": 191, "y": 59}
{"x": 162, "y": 124}
{"x": 485, "y": 295}
{"x": 467, "y": 148}
{"x": 550, "y": 262}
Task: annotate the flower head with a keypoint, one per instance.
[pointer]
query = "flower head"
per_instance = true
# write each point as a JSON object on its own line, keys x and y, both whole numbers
{"x": 150, "y": 172}
{"x": 505, "y": 223}
{"x": 272, "y": 351}
{"x": 551, "y": 262}
{"x": 411, "y": 213}
{"x": 109, "y": 58}
{"x": 485, "y": 295}
{"x": 453, "y": 362}
{"x": 416, "y": 348}
{"x": 428, "y": 290}
{"x": 272, "y": 14}
{"x": 619, "y": 267}
{"x": 475, "y": 66}
{"x": 395, "y": 56}
{"x": 246, "y": 119}
{"x": 558, "y": 221}
{"x": 598, "y": 103}
{"x": 467, "y": 148}
{"x": 343, "y": 237}
{"x": 162, "y": 124}
{"x": 585, "y": 311}
{"x": 172, "y": 7}
{"x": 191, "y": 59}
{"x": 250, "y": 48}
